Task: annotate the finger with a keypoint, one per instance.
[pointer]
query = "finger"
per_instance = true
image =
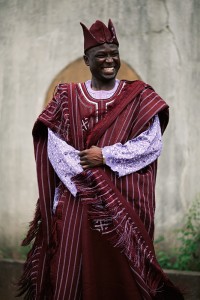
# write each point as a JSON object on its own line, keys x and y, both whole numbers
{"x": 84, "y": 163}
{"x": 85, "y": 167}
{"x": 82, "y": 153}
{"x": 83, "y": 159}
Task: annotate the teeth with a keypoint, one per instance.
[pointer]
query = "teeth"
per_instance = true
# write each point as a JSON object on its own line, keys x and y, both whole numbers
{"x": 109, "y": 69}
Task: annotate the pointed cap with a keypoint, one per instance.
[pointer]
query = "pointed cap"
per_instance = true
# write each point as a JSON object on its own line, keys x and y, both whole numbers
{"x": 99, "y": 34}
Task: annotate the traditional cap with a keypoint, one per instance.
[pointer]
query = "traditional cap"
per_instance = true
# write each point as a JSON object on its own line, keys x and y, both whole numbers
{"x": 99, "y": 34}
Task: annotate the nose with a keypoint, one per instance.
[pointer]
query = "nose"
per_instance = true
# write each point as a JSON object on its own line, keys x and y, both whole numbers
{"x": 109, "y": 58}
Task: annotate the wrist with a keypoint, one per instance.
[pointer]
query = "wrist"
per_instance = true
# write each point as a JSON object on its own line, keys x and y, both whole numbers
{"x": 103, "y": 158}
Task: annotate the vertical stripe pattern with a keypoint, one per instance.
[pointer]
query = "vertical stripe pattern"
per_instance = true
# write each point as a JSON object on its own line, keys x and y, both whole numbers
{"x": 54, "y": 266}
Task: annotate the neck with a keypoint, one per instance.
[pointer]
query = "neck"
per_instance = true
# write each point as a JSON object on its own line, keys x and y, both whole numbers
{"x": 106, "y": 86}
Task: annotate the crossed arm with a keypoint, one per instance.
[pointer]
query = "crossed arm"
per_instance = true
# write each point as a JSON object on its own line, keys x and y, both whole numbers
{"x": 123, "y": 159}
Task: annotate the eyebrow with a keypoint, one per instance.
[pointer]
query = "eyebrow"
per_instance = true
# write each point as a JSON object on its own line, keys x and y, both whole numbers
{"x": 104, "y": 51}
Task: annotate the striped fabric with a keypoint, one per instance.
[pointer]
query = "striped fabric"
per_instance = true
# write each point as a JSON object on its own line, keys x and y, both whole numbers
{"x": 61, "y": 263}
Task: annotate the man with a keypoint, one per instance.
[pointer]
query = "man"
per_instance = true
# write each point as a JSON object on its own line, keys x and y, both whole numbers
{"x": 96, "y": 148}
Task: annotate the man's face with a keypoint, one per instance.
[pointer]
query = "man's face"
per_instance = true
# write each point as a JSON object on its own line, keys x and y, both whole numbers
{"x": 104, "y": 61}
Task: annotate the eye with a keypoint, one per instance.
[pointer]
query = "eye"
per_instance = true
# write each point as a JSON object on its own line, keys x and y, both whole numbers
{"x": 100, "y": 55}
{"x": 114, "y": 54}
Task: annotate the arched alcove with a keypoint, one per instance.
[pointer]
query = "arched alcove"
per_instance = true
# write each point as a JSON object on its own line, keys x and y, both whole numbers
{"x": 77, "y": 71}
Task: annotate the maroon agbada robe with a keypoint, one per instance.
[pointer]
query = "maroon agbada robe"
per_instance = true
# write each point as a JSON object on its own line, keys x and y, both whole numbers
{"x": 97, "y": 246}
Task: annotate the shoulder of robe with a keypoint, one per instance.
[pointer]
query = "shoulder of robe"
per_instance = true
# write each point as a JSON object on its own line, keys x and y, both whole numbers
{"x": 132, "y": 83}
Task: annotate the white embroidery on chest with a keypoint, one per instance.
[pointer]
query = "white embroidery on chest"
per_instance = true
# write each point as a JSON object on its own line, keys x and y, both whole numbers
{"x": 85, "y": 124}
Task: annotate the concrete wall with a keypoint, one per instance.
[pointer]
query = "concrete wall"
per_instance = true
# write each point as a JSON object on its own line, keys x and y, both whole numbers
{"x": 159, "y": 39}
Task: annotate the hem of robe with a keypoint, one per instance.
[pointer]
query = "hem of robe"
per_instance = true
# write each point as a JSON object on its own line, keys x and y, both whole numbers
{"x": 105, "y": 271}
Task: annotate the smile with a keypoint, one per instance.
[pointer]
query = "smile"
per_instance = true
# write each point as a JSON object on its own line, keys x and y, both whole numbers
{"x": 108, "y": 70}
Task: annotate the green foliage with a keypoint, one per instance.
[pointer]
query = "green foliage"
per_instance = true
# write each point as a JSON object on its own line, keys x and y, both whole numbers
{"x": 186, "y": 256}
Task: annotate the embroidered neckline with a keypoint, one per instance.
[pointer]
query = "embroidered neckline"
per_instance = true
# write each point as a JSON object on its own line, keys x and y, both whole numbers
{"x": 84, "y": 92}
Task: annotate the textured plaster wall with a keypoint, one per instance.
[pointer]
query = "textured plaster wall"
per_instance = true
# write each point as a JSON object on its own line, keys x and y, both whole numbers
{"x": 159, "y": 39}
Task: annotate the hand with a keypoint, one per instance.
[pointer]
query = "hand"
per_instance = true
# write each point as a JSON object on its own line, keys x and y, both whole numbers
{"x": 90, "y": 158}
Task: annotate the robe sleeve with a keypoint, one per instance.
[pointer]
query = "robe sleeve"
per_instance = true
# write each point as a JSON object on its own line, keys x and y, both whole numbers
{"x": 64, "y": 159}
{"x": 137, "y": 153}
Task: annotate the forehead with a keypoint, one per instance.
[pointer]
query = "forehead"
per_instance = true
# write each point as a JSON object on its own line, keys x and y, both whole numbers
{"x": 103, "y": 48}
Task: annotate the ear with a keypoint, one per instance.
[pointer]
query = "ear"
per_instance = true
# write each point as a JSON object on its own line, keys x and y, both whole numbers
{"x": 86, "y": 59}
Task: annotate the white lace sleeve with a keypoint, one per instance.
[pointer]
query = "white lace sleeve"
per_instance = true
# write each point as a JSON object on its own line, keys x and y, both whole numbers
{"x": 137, "y": 153}
{"x": 64, "y": 159}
